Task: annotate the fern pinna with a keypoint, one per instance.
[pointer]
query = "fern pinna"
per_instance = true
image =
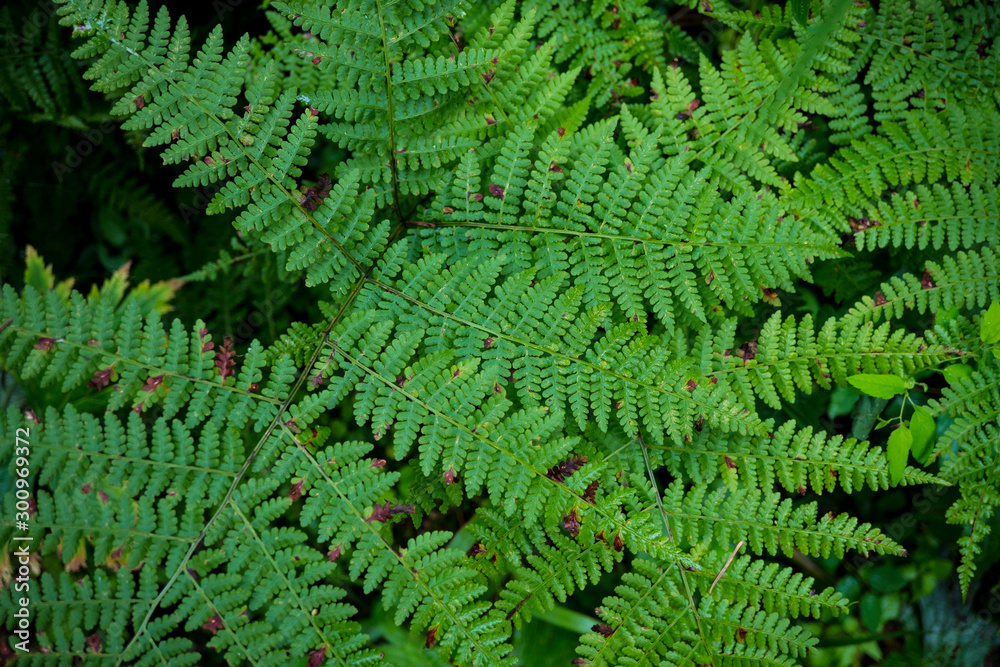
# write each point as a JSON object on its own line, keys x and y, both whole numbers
{"x": 552, "y": 295}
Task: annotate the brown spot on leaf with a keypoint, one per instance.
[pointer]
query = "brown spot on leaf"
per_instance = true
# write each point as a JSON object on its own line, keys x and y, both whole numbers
{"x": 317, "y": 657}
{"x": 496, "y": 190}
{"x": 153, "y": 382}
{"x": 213, "y": 624}
{"x": 432, "y": 636}
{"x": 927, "y": 282}
{"x": 571, "y": 523}
{"x": 45, "y": 343}
{"x": 475, "y": 550}
{"x": 296, "y": 491}
{"x": 603, "y": 629}
{"x": 388, "y": 510}
{"x": 748, "y": 350}
{"x": 618, "y": 544}
{"x": 449, "y": 476}
{"x": 880, "y": 298}
{"x": 589, "y": 494}
{"x": 334, "y": 553}
{"x": 101, "y": 378}
{"x": 560, "y": 471}
{"x": 94, "y": 643}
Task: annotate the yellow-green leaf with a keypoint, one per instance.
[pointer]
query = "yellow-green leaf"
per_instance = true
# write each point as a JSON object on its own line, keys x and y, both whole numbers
{"x": 923, "y": 429}
{"x": 879, "y": 386}
{"x": 989, "y": 328}
{"x": 897, "y": 452}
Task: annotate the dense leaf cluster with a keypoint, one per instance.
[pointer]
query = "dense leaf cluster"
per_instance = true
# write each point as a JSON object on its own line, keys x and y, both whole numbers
{"x": 552, "y": 244}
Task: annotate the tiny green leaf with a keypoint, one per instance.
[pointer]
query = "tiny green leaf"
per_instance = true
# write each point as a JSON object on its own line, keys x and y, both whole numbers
{"x": 879, "y": 386}
{"x": 924, "y": 429}
{"x": 956, "y": 372}
{"x": 897, "y": 453}
{"x": 989, "y": 328}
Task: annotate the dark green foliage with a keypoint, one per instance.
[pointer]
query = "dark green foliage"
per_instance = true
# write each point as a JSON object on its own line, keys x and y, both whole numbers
{"x": 559, "y": 281}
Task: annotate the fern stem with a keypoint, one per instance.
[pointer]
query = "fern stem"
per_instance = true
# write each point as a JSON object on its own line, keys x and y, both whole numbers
{"x": 392, "y": 114}
{"x": 182, "y": 566}
{"x": 760, "y": 429}
{"x": 612, "y": 237}
{"x": 666, "y": 527}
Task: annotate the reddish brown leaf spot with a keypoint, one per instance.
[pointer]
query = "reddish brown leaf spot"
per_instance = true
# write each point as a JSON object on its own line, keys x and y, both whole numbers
{"x": 86, "y": 488}
{"x": 770, "y": 296}
{"x": 555, "y": 168}
{"x": 618, "y": 544}
{"x": 296, "y": 491}
{"x": 449, "y": 476}
{"x": 691, "y": 385}
{"x": 747, "y": 350}
{"x": 225, "y": 358}
{"x": 571, "y": 523}
{"x": 153, "y": 382}
{"x": 561, "y": 131}
{"x": 317, "y": 657}
{"x": 103, "y": 496}
{"x": 317, "y": 60}
{"x": 729, "y": 463}
{"x": 477, "y": 197}
{"x": 880, "y": 298}
{"x": 496, "y": 190}
{"x": 488, "y": 76}
{"x": 579, "y": 661}
{"x": 448, "y": 209}
{"x": 101, "y": 378}
{"x": 254, "y": 386}
{"x": 334, "y": 553}
{"x": 432, "y": 637}
{"x": 741, "y": 635}
{"x": 490, "y": 120}
{"x": 378, "y": 463}
{"x": 388, "y": 510}
{"x": 560, "y": 471}
{"x": 94, "y": 643}
{"x": 475, "y": 550}
{"x": 45, "y": 344}
{"x": 488, "y": 342}
{"x": 927, "y": 282}
{"x": 140, "y": 102}
{"x": 589, "y": 494}
{"x": 213, "y": 624}
{"x": 603, "y": 629}
{"x": 699, "y": 423}
{"x": 117, "y": 553}
{"x": 314, "y": 195}
{"x": 313, "y": 112}
{"x": 176, "y": 134}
